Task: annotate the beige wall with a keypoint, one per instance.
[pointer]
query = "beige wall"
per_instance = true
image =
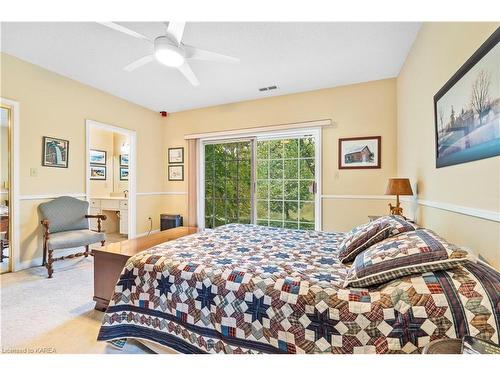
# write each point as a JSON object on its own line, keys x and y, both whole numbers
{"x": 358, "y": 110}
{"x": 437, "y": 53}
{"x": 52, "y": 105}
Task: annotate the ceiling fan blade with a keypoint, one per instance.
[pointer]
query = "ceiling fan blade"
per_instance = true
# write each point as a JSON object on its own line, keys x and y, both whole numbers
{"x": 185, "y": 69}
{"x": 176, "y": 29}
{"x": 125, "y": 30}
{"x": 200, "y": 54}
{"x": 138, "y": 63}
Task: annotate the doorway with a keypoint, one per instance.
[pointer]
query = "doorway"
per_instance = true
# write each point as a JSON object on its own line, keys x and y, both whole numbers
{"x": 9, "y": 175}
{"x": 111, "y": 178}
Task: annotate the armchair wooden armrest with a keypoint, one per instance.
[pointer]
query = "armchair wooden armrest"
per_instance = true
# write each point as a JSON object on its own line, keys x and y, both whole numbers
{"x": 99, "y": 218}
{"x": 45, "y": 224}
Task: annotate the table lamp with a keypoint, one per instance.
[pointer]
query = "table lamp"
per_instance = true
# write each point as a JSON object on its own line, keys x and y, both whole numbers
{"x": 397, "y": 187}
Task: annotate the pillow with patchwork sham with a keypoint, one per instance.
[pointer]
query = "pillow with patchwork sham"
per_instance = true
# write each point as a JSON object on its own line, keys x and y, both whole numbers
{"x": 366, "y": 235}
{"x": 412, "y": 252}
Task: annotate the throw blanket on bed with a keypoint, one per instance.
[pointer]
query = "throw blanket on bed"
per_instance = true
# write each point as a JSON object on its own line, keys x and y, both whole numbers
{"x": 253, "y": 289}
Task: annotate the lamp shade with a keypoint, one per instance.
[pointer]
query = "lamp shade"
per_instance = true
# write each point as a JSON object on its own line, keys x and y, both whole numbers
{"x": 399, "y": 186}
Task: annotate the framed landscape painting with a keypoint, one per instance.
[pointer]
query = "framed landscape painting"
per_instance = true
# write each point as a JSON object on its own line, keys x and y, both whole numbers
{"x": 98, "y": 157}
{"x": 467, "y": 109}
{"x": 97, "y": 172}
{"x": 360, "y": 153}
{"x": 55, "y": 152}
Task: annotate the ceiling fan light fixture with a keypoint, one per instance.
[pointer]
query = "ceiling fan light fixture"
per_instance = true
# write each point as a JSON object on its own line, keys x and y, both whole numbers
{"x": 168, "y": 54}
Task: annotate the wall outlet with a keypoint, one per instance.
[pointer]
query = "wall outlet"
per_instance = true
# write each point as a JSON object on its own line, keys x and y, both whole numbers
{"x": 33, "y": 172}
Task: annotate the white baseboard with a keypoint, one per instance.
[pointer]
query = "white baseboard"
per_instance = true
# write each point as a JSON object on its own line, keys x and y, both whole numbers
{"x": 146, "y": 233}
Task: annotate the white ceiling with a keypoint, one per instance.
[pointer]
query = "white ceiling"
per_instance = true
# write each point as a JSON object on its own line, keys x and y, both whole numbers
{"x": 295, "y": 56}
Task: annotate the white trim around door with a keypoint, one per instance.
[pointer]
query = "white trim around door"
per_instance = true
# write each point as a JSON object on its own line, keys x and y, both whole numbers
{"x": 132, "y": 179}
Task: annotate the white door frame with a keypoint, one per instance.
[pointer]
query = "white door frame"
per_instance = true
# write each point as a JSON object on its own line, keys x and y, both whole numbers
{"x": 14, "y": 207}
{"x": 314, "y": 131}
{"x": 132, "y": 168}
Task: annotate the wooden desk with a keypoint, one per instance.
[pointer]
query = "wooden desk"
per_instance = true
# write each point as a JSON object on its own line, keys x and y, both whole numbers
{"x": 109, "y": 260}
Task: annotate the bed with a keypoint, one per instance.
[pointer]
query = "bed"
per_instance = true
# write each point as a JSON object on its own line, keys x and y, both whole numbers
{"x": 253, "y": 289}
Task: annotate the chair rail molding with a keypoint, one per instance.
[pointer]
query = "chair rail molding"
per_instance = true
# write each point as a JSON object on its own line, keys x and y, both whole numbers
{"x": 455, "y": 208}
{"x": 162, "y": 193}
{"x": 376, "y": 197}
{"x": 468, "y": 211}
{"x": 37, "y": 197}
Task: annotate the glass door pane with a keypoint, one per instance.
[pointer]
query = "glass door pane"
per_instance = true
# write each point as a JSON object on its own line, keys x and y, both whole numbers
{"x": 228, "y": 183}
{"x": 285, "y": 181}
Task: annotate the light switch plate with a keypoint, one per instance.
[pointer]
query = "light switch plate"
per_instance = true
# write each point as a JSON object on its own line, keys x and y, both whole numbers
{"x": 33, "y": 172}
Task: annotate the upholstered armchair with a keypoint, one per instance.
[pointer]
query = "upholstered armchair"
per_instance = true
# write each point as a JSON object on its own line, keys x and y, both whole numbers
{"x": 66, "y": 225}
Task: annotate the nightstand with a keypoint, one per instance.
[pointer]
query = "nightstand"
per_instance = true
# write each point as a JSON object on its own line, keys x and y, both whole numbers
{"x": 444, "y": 346}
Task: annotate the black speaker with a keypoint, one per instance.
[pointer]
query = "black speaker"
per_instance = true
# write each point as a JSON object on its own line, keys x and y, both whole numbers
{"x": 168, "y": 221}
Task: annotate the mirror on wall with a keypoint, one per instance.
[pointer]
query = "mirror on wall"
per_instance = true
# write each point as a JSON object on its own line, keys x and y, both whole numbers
{"x": 109, "y": 181}
{"x": 108, "y": 163}
{"x": 5, "y": 223}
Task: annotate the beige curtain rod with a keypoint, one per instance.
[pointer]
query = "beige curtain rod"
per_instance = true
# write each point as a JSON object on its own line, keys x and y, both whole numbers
{"x": 261, "y": 129}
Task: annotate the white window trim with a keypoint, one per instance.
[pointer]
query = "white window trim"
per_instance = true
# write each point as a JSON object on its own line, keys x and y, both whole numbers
{"x": 314, "y": 131}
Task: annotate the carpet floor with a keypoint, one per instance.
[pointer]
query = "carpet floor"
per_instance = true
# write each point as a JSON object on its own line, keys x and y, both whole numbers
{"x": 53, "y": 315}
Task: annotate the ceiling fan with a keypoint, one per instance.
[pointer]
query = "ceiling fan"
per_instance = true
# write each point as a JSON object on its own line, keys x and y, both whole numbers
{"x": 170, "y": 51}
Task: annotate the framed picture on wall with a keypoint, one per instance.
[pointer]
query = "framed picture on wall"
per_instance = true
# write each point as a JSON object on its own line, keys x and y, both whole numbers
{"x": 98, "y": 157}
{"x": 123, "y": 173}
{"x": 176, "y": 155}
{"x": 176, "y": 173}
{"x": 360, "y": 153}
{"x": 467, "y": 109}
{"x": 97, "y": 172}
{"x": 55, "y": 152}
{"x": 124, "y": 160}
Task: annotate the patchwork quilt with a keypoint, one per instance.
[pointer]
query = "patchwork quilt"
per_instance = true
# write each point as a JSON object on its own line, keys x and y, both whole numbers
{"x": 253, "y": 289}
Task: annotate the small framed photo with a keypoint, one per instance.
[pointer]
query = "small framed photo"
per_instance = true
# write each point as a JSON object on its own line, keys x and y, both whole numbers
{"x": 360, "y": 153}
{"x": 123, "y": 173}
{"x": 176, "y": 173}
{"x": 176, "y": 155}
{"x": 124, "y": 160}
{"x": 97, "y": 172}
{"x": 98, "y": 157}
{"x": 55, "y": 152}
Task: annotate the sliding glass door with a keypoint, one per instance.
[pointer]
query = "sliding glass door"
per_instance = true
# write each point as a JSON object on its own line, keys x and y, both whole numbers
{"x": 285, "y": 182}
{"x": 228, "y": 183}
{"x": 267, "y": 180}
